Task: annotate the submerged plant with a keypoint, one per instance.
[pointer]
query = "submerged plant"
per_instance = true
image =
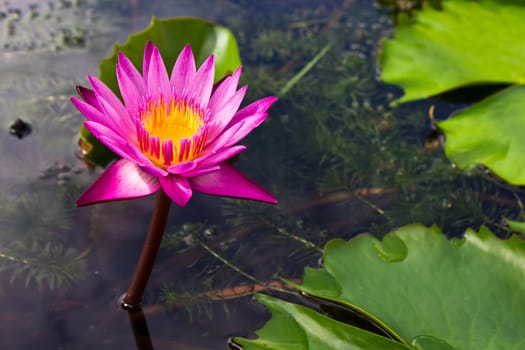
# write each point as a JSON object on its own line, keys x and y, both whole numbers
{"x": 33, "y": 243}
{"x": 174, "y": 133}
{"x": 46, "y": 264}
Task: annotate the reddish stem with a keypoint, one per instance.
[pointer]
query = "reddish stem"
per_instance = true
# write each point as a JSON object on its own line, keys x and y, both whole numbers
{"x": 135, "y": 293}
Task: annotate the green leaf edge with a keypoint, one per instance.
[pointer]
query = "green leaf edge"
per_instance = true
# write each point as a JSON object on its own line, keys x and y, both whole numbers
{"x": 484, "y": 237}
{"x": 401, "y": 38}
{"x": 281, "y": 308}
{"x": 333, "y": 298}
{"x": 143, "y": 36}
{"x": 451, "y": 130}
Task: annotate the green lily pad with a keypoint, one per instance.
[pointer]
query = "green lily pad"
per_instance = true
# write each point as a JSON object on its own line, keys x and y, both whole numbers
{"x": 425, "y": 342}
{"x": 466, "y": 43}
{"x": 465, "y": 294}
{"x": 170, "y": 36}
{"x": 296, "y": 327}
{"x": 442, "y": 294}
{"x": 490, "y": 133}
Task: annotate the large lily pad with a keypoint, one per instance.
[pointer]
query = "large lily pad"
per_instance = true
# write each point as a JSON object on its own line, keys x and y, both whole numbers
{"x": 170, "y": 36}
{"x": 490, "y": 133}
{"x": 430, "y": 292}
{"x": 466, "y": 43}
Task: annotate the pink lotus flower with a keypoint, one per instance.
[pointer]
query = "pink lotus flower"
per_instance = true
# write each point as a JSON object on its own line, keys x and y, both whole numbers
{"x": 173, "y": 133}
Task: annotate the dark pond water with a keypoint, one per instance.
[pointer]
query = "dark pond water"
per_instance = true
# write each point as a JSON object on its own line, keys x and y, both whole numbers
{"x": 340, "y": 160}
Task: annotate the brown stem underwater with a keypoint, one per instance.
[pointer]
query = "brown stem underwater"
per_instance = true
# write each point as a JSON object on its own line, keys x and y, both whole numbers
{"x": 135, "y": 293}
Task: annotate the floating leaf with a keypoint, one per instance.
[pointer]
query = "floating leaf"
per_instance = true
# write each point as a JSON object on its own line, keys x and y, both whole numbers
{"x": 170, "y": 36}
{"x": 490, "y": 133}
{"x": 468, "y": 42}
{"x": 442, "y": 294}
{"x": 296, "y": 327}
{"x": 441, "y": 289}
{"x": 425, "y": 342}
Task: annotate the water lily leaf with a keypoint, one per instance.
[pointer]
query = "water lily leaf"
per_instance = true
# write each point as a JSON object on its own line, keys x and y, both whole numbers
{"x": 468, "y": 42}
{"x": 490, "y": 133}
{"x": 170, "y": 36}
{"x": 435, "y": 294}
{"x": 462, "y": 292}
{"x": 425, "y": 342}
{"x": 296, "y": 327}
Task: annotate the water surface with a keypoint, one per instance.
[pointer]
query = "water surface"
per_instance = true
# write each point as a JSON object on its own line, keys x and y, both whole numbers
{"x": 339, "y": 159}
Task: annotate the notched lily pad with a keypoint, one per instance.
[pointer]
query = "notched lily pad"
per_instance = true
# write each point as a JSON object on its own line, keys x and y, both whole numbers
{"x": 490, "y": 133}
{"x": 324, "y": 281}
{"x": 466, "y": 43}
{"x": 391, "y": 248}
{"x": 442, "y": 295}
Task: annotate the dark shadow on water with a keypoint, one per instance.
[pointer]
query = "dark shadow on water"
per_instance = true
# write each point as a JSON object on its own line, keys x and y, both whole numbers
{"x": 351, "y": 316}
{"x": 472, "y": 93}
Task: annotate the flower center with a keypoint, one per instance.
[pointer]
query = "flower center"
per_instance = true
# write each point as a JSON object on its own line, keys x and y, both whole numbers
{"x": 171, "y": 132}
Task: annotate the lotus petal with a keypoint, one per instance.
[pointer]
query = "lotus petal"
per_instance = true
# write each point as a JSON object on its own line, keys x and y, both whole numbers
{"x": 131, "y": 83}
{"x": 223, "y": 116}
{"x": 121, "y": 180}
{"x": 177, "y": 188}
{"x": 174, "y": 133}
{"x": 200, "y": 91}
{"x": 157, "y": 77}
{"x": 88, "y": 96}
{"x": 219, "y": 157}
{"x": 183, "y": 72}
{"x": 230, "y": 182}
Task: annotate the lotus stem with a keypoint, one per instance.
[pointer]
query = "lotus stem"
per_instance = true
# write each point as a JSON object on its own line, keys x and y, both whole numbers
{"x": 140, "y": 329}
{"x": 135, "y": 293}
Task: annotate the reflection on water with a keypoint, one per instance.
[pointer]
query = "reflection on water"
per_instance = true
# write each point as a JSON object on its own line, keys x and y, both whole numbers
{"x": 140, "y": 329}
{"x": 340, "y": 160}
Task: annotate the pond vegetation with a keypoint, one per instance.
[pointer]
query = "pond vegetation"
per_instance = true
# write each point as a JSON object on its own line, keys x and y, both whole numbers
{"x": 342, "y": 159}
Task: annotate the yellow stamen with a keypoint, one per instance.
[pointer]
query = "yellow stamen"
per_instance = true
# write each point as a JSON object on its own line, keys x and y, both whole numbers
{"x": 171, "y": 133}
{"x": 181, "y": 122}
